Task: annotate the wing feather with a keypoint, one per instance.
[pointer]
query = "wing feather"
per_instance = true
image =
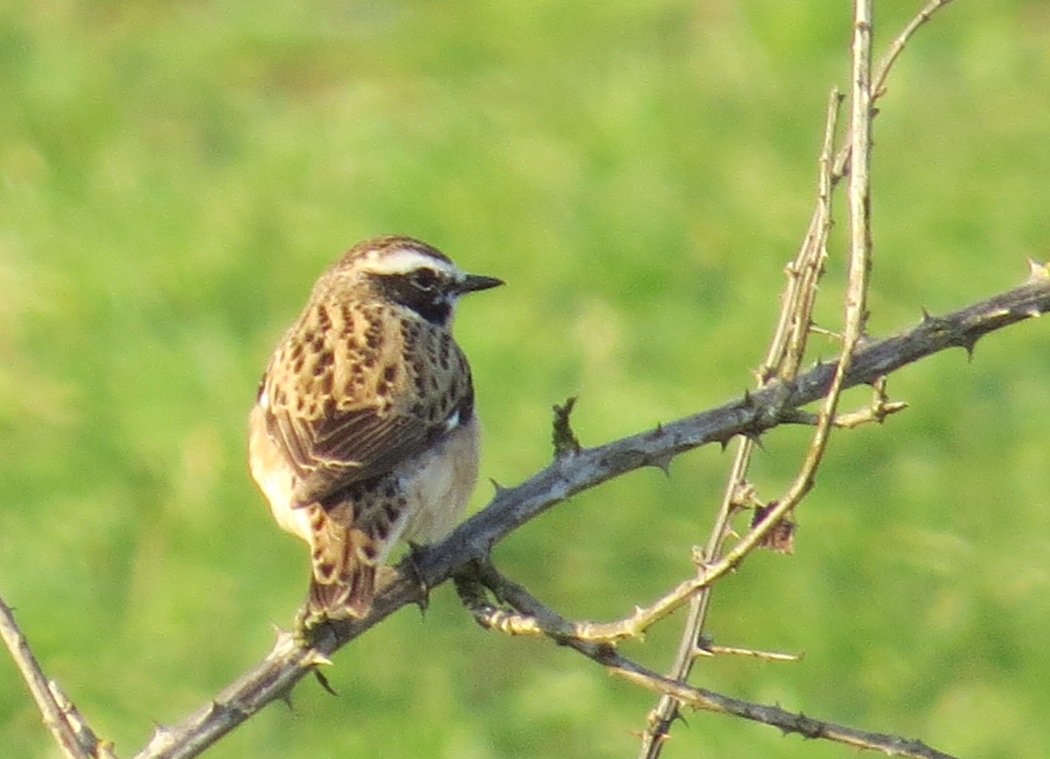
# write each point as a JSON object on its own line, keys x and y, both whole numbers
{"x": 343, "y": 408}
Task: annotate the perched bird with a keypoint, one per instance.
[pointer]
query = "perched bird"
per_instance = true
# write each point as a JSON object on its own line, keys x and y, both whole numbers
{"x": 363, "y": 433}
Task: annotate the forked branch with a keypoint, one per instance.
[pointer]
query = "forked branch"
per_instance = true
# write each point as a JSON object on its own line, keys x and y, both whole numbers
{"x": 533, "y": 617}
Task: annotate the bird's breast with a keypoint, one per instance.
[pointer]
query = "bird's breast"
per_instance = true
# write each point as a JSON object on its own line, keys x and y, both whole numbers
{"x": 438, "y": 483}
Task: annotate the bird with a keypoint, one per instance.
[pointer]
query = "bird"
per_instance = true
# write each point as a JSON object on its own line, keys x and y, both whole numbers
{"x": 363, "y": 434}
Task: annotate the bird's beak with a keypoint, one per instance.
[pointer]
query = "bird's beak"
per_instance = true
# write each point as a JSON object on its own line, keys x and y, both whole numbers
{"x": 474, "y": 282}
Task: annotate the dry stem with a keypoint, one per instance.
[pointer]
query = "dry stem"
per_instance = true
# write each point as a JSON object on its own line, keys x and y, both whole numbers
{"x": 71, "y": 732}
{"x": 534, "y": 617}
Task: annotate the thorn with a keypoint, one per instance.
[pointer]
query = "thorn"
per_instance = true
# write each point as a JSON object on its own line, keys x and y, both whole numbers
{"x": 968, "y": 345}
{"x": 324, "y": 682}
{"x": 315, "y": 658}
{"x": 926, "y": 318}
{"x": 744, "y": 495}
{"x": 795, "y": 416}
{"x": 286, "y": 699}
{"x": 663, "y": 463}
{"x": 1038, "y": 272}
{"x": 696, "y": 555}
{"x": 161, "y": 733}
{"x": 500, "y": 489}
{"x": 755, "y": 438}
{"x": 749, "y": 402}
{"x": 287, "y": 641}
{"x": 285, "y": 638}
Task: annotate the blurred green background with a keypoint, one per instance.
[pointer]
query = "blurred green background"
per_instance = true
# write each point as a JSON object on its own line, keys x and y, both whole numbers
{"x": 174, "y": 175}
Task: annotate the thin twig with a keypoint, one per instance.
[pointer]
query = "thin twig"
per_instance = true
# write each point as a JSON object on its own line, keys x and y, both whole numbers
{"x": 776, "y": 656}
{"x": 883, "y": 71}
{"x": 790, "y": 338}
{"x": 795, "y": 324}
{"x": 856, "y": 299}
{"x": 782, "y": 360}
{"x": 878, "y": 88}
{"x": 72, "y": 734}
{"x": 861, "y": 116}
{"x": 857, "y": 288}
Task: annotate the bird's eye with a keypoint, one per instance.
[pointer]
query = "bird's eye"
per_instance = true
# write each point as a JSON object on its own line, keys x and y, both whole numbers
{"x": 424, "y": 279}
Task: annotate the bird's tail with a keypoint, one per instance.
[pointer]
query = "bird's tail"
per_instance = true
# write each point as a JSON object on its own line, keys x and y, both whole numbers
{"x": 344, "y": 570}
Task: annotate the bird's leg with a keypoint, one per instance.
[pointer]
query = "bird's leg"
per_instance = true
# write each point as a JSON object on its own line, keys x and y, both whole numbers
{"x": 411, "y": 567}
{"x": 471, "y": 587}
{"x": 482, "y": 591}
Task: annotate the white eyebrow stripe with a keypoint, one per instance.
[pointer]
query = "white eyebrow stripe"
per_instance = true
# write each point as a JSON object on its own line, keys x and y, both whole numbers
{"x": 406, "y": 260}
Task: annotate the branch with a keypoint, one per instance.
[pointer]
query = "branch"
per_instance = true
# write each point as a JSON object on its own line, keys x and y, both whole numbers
{"x": 794, "y": 326}
{"x": 783, "y": 359}
{"x": 538, "y": 618}
{"x": 573, "y": 473}
{"x": 69, "y": 729}
{"x": 897, "y": 46}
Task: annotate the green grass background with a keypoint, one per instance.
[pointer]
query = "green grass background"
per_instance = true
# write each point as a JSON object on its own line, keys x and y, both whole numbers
{"x": 173, "y": 175}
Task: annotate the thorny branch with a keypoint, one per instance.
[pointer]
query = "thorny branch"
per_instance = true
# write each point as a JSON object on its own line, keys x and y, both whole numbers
{"x": 537, "y": 618}
{"x": 783, "y": 360}
{"x": 758, "y": 412}
{"x": 795, "y": 323}
{"x": 790, "y": 338}
{"x": 570, "y": 474}
{"x": 74, "y": 737}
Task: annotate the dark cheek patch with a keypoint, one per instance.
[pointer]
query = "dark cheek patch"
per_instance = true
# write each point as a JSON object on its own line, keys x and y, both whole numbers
{"x": 431, "y": 304}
